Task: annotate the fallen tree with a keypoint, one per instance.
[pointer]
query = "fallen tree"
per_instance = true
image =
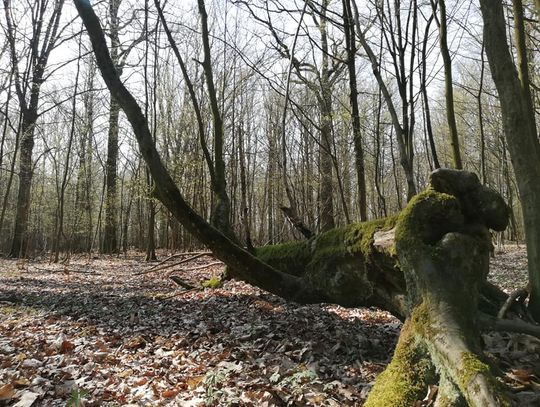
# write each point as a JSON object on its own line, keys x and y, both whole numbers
{"x": 428, "y": 266}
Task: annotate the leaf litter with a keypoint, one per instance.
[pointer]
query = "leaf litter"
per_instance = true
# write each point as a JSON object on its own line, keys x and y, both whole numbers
{"x": 105, "y": 332}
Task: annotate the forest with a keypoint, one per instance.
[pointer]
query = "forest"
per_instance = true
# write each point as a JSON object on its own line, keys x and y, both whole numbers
{"x": 270, "y": 202}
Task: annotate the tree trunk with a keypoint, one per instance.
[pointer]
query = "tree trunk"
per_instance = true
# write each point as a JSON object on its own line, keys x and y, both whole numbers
{"x": 521, "y": 138}
{"x": 110, "y": 238}
{"x": 350, "y": 40}
{"x": 448, "y": 87}
{"x": 20, "y": 235}
{"x": 326, "y": 142}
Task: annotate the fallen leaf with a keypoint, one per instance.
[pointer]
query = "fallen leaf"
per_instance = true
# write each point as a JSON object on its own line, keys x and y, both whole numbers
{"x": 125, "y": 373}
{"x": 21, "y": 382}
{"x": 194, "y": 382}
{"x": 27, "y": 399}
{"x": 170, "y": 393}
{"x": 66, "y": 347}
{"x": 7, "y": 391}
{"x": 141, "y": 382}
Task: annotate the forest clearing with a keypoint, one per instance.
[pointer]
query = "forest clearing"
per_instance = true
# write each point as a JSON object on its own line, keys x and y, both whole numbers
{"x": 122, "y": 338}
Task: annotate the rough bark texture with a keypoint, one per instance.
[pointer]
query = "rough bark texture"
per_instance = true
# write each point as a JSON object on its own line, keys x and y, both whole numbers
{"x": 448, "y": 87}
{"x": 110, "y": 236}
{"x": 442, "y": 244}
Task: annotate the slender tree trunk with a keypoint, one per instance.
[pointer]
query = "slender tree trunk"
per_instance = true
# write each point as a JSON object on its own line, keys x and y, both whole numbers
{"x": 448, "y": 87}
{"x": 20, "y": 234}
{"x": 57, "y": 246}
{"x": 326, "y": 191}
{"x": 221, "y": 211}
{"x": 402, "y": 133}
{"x": 481, "y": 118}
{"x": 425, "y": 99}
{"x": 110, "y": 237}
{"x": 350, "y": 39}
{"x": 43, "y": 41}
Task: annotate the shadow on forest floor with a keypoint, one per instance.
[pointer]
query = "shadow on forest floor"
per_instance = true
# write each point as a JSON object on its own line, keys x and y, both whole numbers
{"x": 213, "y": 346}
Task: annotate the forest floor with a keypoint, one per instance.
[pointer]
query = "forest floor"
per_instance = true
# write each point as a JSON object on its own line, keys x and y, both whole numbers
{"x": 105, "y": 331}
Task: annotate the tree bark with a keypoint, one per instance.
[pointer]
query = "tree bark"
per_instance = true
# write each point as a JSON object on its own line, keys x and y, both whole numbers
{"x": 326, "y": 141}
{"x": 110, "y": 236}
{"x": 521, "y": 138}
{"x": 39, "y": 56}
{"x": 448, "y": 87}
{"x": 350, "y": 40}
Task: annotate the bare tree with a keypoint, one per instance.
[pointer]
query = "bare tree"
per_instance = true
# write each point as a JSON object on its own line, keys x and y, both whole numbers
{"x": 41, "y": 42}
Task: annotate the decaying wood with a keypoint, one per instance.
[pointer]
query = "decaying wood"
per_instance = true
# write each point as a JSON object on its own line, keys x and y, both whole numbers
{"x": 489, "y": 323}
{"x": 431, "y": 278}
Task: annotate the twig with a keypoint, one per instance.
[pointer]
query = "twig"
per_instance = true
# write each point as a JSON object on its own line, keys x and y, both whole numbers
{"x": 521, "y": 293}
{"x": 296, "y": 222}
{"x": 153, "y": 269}
{"x": 67, "y": 271}
{"x": 179, "y": 293}
{"x": 174, "y": 256}
{"x": 204, "y": 266}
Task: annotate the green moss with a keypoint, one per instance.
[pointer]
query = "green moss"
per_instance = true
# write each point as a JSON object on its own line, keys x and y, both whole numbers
{"x": 290, "y": 257}
{"x": 471, "y": 365}
{"x": 360, "y": 236}
{"x": 355, "y": 239}
{"x": 214, "y": 282}
{"x": 406, "y": 377}
{"x": 427, "y": 217}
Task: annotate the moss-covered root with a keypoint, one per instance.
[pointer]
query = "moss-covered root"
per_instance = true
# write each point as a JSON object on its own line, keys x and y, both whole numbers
{"x": 432, "y": 350}
{"x": 408, "y": 375}
{"x": 461, "y": 369}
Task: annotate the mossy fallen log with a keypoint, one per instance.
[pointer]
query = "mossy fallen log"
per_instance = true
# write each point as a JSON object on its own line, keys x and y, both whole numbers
{"x": 427, "y": 266}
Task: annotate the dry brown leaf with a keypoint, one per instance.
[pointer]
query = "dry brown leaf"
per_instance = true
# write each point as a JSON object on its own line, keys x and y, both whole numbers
{"x": 194, "y": 382}
{"x": 66, "y": 347}
{"x": 21, "y": 382}
{"x": 101, "y": 346}
{"x": 135, "y": 343}
{"x": 141, "y": 382}
{"x": 7, "y": 391}
{"x": 125, "y": 373}
{"x": 521, "y": 376}
{"x": 20, "y": 357}
{"x": 169, "y": 394}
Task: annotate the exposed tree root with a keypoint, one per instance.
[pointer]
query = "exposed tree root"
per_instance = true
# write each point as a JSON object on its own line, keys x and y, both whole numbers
{"x": 489, "y": 323}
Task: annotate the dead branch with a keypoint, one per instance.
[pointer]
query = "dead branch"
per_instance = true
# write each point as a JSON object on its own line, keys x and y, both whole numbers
{"x": 296, "y": 222}
{"x": 157, "y": 268}
{"x": 522, "y": 293}
{"x": 182, "y": 283}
